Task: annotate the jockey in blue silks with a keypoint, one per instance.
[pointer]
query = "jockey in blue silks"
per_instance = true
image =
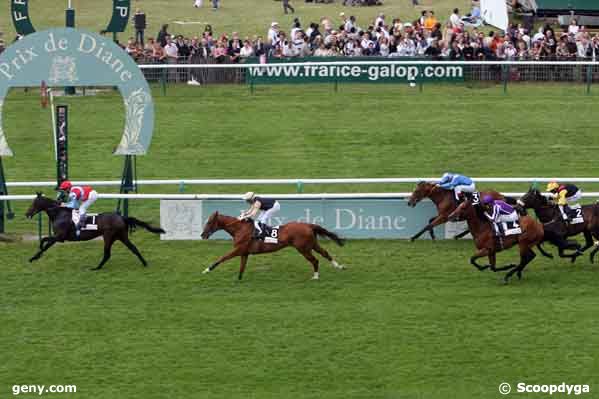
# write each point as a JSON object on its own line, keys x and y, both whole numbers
{"x": 457, "y": 183}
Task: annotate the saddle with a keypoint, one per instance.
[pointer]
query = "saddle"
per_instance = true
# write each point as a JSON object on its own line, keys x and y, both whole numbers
{"x": 504, "y": 230}
{"x": 90, "y": 221}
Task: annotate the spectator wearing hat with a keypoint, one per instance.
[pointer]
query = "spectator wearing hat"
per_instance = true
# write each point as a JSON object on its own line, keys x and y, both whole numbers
{"x": 273, "y": 34}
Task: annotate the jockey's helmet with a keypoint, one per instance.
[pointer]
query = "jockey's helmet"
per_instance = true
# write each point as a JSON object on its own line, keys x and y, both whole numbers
{"x": 552, "y": 186}
{"x": 487, "y": 199}
{"x": 65, "y": 185}
{"x": 249, "y": 196}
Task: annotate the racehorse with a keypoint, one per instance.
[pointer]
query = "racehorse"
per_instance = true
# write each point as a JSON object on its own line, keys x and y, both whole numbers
{"x": 111, "y": 227}
{"x": 301, "y": 236}
{"x": 488, "y": 245}
{"x": 445, "y": 202}
{"x": 551, "y": 217}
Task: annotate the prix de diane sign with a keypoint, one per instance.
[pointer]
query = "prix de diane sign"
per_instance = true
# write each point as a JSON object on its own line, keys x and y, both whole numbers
{"x": 73, "y": 57}
{"x": 19, "y": 10}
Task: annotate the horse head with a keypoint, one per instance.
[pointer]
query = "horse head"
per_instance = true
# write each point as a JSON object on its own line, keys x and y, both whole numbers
{"x": 423, "y": 190}
{"x": 532, "y": 199}
{"x": 39, "y": 204}
{"x": 211, "y": 226}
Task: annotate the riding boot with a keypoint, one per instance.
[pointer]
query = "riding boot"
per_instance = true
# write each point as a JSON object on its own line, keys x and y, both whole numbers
{"x": 257, "y": 229}
{"x": 564, "y": 209}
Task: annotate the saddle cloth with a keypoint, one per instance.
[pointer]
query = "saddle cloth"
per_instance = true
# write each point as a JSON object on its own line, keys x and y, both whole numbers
{"x": 270, "y": 234}
{"x": 574, "y": 214}
{"x": 506, "y": 229}
{"x": 90, "y": 220}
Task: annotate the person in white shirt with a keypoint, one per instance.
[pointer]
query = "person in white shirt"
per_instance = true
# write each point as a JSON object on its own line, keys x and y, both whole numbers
{"x": 171, "y": 50}
{"x": 380, "y": 20}
{"x": 455, "y": 20}
{"x": 247, "y": 50}
{"x": 197, "y": 4}
{"x": 273, "y": 34}
{"x": 573, "y": 28}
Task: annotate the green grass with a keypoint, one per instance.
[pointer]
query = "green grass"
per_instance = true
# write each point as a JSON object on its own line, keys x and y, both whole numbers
{"x": 404, "y": 321}
{"x": 248, "y": 17}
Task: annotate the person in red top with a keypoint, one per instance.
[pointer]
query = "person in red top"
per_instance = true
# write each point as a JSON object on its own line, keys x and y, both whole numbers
{"x": 79, "y": 197}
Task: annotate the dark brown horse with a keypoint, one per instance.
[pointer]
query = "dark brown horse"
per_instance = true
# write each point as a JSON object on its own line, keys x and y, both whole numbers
{"x": 488, "y": 245}
{"x": 301, "y": 236}
{"x": 445, "y": 202}
{"x": 111, "y": 227}
{"x": 549, "y": 214}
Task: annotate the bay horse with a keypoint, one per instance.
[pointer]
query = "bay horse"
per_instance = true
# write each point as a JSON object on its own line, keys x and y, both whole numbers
{"x": 549, "y": 214}
{"x": 487, "y": 244}
{"x": 111, "y": 227}
{"x": 445, "y": 202}
{"x": 301, "y": 236}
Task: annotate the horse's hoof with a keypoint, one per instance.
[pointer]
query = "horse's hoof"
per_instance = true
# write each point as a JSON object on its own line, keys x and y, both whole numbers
{"x": 519, "y": 274}
{"x": 412, "y": 239}
{"x": 316, "y": 276}
{"x": 206, "y": 271}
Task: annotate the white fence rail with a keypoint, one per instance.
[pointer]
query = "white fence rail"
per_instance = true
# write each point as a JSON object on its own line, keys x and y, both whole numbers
{"x": 238, "y": 196}
{"x": 389, "y": 180}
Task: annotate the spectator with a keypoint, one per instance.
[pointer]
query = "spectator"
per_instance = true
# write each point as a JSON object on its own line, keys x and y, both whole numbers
{"x": 162, "y": 35}
{"x": 273, "y": 34}
{"x": 287, "y": 6}
{"x": 139, "y": 22}
{"x": 455, "y": 20}
{"x": 573, "y": 28}
{"x": 158, "y": 54}
{"x": 197, "y": 4}
{"x": 215, "y": 5}
{"x": 430, "y": 21}
{"x": 247, "y": 50}
{"x": 2, "y": 48}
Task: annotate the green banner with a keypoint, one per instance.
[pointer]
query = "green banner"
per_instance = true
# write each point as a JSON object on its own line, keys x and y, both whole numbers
{"x": 287, "y": 71}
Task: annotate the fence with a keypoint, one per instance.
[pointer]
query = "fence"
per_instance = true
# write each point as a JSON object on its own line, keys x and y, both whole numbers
{"x": 341, "y": 70}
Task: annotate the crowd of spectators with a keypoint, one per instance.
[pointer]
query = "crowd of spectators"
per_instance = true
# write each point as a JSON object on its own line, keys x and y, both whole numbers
{"x": 459, "y": 37}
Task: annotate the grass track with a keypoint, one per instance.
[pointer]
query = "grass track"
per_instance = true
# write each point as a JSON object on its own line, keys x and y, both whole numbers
{"x": 406, "y": 320}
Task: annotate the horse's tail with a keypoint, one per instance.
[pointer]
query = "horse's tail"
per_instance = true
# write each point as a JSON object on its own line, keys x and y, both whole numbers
{"x": 133, "y": 223}
{"x": 321, "y": 231}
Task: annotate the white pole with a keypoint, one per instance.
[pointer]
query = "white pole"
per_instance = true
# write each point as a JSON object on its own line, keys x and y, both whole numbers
{"x": 70, "y": 5}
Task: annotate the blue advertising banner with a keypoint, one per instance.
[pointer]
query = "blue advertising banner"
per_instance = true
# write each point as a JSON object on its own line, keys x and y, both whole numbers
{"x": 351, "y": 218}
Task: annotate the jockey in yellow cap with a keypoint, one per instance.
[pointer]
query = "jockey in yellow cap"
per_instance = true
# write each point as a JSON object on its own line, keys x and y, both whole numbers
{"x": 563, "y": 195}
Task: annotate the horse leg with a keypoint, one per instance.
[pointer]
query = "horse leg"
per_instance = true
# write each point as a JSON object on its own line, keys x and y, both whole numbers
{"x": 108, "y": 241}
{"x": 235, "y": 252}
{"x": 429, "y": 227}
{"x": 43, "y": 241}
{"x": 588, "y": 241}
{"x": 125, "y": 240}
{"x": 243, "y": 263}
{"x": 323, "y": 252}
{"x": 481, "y": 253}
{"x": 431, "y": 232}
{"x": 312, "y": 259}
{"x": 526, "y": 256}
{"x": 49, "y": 242}
{"x": 543, "y": 252}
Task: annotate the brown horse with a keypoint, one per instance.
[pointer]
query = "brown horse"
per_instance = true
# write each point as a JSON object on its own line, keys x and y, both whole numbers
{"x": 488, "y": 245}
{"x": 301, "y": 236}
{"x": 445, "y": 202}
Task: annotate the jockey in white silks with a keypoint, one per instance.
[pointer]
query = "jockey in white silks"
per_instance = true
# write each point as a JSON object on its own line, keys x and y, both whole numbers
{"x": 261, "y": 209}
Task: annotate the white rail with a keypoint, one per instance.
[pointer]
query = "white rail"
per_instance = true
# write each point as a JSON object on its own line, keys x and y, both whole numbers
{"x": 389, "y": 180}
{"x": 238, "y": 196}
{"x": 373, "y": 62}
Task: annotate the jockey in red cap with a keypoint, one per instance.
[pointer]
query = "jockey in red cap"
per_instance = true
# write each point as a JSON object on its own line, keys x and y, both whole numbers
{"x": 79, "y": 197}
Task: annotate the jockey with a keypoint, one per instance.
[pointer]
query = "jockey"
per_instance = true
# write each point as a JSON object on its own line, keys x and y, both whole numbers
{"x": 498, "y": 211}
{"x": 268, "y": 206}
{"x": 563, "y": 195}
{"x": 458, "y": 183}
{"x": 79, "y": 197}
